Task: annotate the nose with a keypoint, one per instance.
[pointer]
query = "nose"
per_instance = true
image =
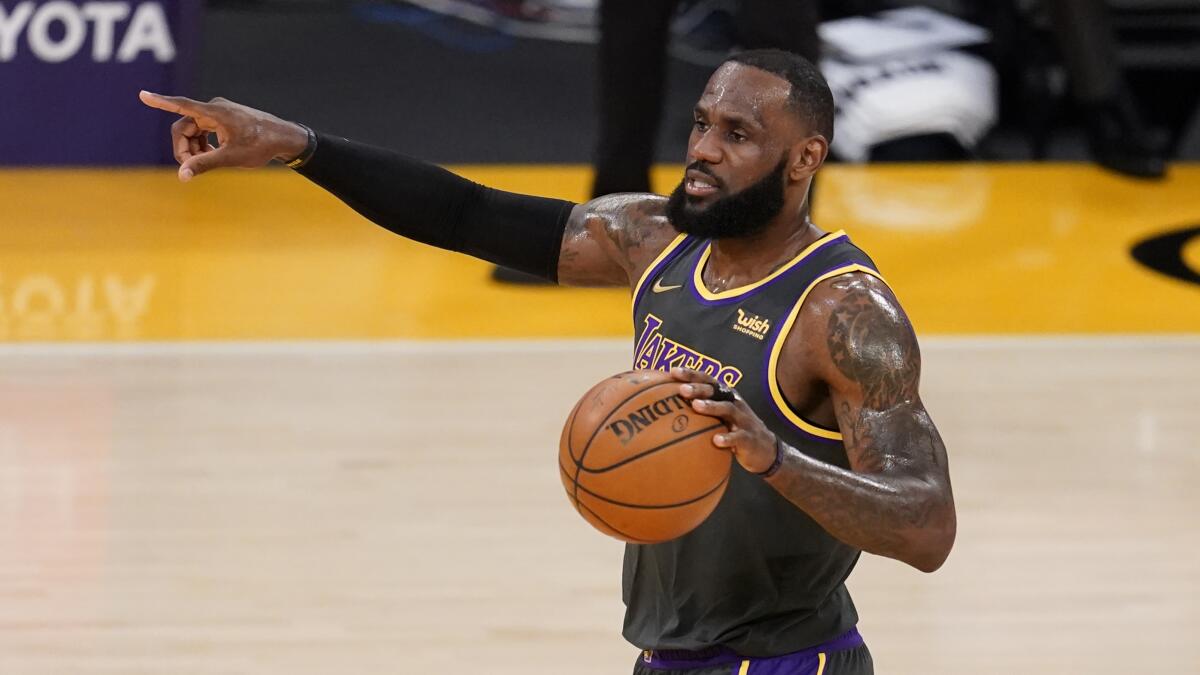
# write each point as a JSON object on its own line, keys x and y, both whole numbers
{"x": 705, "y": 149}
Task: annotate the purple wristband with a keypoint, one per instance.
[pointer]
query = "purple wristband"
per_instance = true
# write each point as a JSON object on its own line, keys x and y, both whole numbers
{"x": 774, "y": 468}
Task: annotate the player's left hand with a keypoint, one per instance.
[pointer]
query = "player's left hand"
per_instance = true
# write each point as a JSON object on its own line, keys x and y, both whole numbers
{"x": 750, "y": 441}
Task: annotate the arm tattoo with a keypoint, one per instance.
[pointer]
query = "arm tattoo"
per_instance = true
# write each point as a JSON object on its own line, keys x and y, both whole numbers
{"x": 637, "y": 227}
{"x": 873, "y": 345}
{"x": 575, "y": 266}
{"x": 610, "y": 239}
{"x": 897, "y": 500}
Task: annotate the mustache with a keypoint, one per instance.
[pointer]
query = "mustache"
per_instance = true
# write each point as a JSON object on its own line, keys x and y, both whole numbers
{"x": 703, "y": 168}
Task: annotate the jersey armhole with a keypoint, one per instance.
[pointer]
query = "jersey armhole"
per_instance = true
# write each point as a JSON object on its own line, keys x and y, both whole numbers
{"x": 778, "y": 401}
{"x": 656, "y": 266}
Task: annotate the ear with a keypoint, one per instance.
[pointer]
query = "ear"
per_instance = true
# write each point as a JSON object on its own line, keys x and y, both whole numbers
{"x": 807, "y": 157}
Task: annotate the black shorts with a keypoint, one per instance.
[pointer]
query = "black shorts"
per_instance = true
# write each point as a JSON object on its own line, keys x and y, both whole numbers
{"x": 846, "y": 655}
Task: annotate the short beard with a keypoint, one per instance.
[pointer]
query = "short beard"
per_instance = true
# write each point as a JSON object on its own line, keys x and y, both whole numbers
{"x": 738, "y": 216}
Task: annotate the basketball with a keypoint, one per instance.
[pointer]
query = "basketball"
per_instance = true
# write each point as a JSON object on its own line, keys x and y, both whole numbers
{"x": 638, "y": 462}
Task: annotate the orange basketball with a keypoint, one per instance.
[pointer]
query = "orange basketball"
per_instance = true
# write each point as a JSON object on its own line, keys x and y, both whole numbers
{"x": 638, "y": 463}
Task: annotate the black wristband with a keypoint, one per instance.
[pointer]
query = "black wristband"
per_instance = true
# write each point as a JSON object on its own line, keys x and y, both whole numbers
{"x": 306, "y": 154}
{"x": 774, "y": 468}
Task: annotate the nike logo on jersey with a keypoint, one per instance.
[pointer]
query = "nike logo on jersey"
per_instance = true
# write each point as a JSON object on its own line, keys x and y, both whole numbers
{"x": 659, "y": 288}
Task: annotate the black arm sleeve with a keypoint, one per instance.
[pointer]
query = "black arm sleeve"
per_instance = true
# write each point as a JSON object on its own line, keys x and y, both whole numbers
{"x": 431, "y": 205}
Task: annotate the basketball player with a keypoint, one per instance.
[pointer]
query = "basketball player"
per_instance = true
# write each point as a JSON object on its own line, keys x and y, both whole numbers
{"x": 734, "y": 290}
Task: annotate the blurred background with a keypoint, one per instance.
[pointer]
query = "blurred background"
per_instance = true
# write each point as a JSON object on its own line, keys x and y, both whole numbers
{"x": 243, "y": 430}
{"x": 1061, "y": 80}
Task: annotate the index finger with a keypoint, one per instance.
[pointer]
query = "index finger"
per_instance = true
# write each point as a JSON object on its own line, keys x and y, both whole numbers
{"x": 176, "y": 104}
{"x": 689, "y": 375}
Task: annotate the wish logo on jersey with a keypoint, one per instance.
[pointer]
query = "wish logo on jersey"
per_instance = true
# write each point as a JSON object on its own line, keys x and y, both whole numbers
{"x": 656, "y": 351}
{"x": 752, "y": 325}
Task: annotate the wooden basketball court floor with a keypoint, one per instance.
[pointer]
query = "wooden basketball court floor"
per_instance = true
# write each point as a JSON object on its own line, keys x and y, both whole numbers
{"x": 243, "y": 432}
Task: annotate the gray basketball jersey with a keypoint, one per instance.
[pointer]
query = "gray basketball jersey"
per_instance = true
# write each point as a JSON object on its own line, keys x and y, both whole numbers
{"x": 758, "y": 576}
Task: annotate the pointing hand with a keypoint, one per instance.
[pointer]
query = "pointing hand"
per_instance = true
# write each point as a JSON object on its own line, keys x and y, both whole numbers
{"x": 247, "y": 137}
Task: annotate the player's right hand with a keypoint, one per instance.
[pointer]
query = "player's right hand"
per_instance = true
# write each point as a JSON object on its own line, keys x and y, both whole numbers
{"x": 246, "y": 137}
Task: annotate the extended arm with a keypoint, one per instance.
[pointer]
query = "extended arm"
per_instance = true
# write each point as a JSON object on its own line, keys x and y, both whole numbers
{"x": 607, "y": 241}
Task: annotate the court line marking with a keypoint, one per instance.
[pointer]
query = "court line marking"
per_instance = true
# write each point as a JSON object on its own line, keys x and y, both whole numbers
{"x": 538, "y": 346}
{"x": 332, "y": 347}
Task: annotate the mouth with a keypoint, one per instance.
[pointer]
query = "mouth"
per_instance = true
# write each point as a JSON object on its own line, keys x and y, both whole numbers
{"x": 697, "y": 184}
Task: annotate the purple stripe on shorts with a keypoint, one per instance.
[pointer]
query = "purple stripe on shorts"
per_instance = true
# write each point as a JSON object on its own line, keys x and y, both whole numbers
{"x": 720, "y": 656}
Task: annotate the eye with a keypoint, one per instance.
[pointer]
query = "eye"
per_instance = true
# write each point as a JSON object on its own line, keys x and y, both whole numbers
{"x": 701, "y": 125}
{"x": 737, "y": 136}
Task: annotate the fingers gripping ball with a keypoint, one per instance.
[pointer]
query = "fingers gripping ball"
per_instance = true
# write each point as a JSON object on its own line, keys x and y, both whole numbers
{"x": 638, "y": 463}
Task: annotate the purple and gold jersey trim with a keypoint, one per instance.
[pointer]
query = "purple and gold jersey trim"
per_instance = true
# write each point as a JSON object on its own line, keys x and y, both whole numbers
{"x": 657, "y": 266}
{"x": 707, "y": 297}
{"x": 771, "y": 371}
